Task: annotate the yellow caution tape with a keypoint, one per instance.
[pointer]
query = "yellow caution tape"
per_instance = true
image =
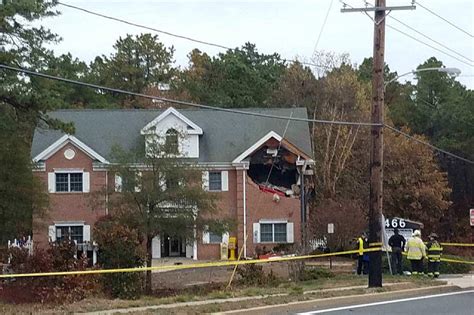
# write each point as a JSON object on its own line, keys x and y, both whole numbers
{"x": 458, "y": 261}
{"x": 451, "y": 260}
{"x": 375, "y": 244}
{"x": 457, "y": 244}
{"x": 179, "y": 267}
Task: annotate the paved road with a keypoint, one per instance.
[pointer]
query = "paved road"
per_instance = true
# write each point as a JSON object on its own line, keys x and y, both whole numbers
{"x": 461, "y": 302}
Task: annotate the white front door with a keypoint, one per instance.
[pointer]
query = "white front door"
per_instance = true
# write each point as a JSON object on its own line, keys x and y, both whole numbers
{"x": 156, "y": 247}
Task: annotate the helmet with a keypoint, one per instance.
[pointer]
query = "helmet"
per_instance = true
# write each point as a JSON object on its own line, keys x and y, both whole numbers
{"x": 433, "y": 235}
{"x": 417, "y": 233}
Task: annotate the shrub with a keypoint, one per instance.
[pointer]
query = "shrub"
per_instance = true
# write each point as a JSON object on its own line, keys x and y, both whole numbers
{"x": 51, "y": 289}
{"x": 119, "y": 247}
{"x": 316, "y": 273}
{"x": 253, "y": 274}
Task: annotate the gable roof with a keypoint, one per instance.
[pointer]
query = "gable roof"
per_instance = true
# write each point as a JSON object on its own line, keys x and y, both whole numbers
{"x": 61, "y": 142}
{"x": 195, "y": 129}
{"x": 226, "y": 135}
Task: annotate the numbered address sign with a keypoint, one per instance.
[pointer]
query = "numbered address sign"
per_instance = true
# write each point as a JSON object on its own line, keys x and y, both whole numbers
{"x": 395, "y": 223}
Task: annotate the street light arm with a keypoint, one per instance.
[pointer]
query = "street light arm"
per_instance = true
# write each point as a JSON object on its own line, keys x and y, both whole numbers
{"x": 451, "y": 71}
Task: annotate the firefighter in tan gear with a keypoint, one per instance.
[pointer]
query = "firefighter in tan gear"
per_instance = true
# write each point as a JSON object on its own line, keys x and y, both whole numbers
{"x": 416, "y": 251}
{"x": 434, "y": 255}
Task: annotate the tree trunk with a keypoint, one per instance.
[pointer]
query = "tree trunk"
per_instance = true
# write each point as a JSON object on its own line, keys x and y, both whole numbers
{"x": 148, "y": 283}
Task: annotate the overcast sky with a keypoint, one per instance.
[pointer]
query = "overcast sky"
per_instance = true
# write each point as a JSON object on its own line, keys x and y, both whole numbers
{"x": 288, "y": 27}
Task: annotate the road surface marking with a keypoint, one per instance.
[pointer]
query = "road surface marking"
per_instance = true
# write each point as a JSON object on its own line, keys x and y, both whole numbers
{"x": 384, "y": 302}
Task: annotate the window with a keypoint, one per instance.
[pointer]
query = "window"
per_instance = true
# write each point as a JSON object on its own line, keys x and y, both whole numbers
{"x": 69, "y": 182}
{"x": 171, "y": 142}
{"x": 74, "y": 233}
{"x": 215, "y": 181}
{"x": 273, "y": 233}
{"x": 215, "y": 238}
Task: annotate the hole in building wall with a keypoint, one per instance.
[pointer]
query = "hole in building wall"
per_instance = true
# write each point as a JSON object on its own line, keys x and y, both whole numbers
{"x": 284, "y": 175}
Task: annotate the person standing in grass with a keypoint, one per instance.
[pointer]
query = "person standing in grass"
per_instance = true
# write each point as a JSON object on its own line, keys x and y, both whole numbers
{"x": 416, "y": 251}
{"x": 434, "y": 255}
{"x": 397, "y": 243}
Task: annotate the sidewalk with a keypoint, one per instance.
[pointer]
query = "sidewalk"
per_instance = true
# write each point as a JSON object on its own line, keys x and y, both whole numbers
{"x": 462, "y": 281}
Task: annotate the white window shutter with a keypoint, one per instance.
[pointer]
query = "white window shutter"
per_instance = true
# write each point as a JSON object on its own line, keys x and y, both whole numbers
{"x": 52, "y": 233}
{"x": 87, "y": 233}
{"x": 225, "y": 180}
{"x": 206, "y": 239}
{"x": 225, "y": 238}
{"x": 205, "y": 180}
{"x": 256, "y": 233}
{"x": 51, "y": 182}
{"x": 138, "y": 184}
{"x": 290, "y": 233}
{"x": 85, "y": 182}
{"x": 118, "y": 183}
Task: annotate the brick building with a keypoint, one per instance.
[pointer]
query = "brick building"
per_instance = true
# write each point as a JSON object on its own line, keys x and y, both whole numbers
{"x": 235, "y": 153}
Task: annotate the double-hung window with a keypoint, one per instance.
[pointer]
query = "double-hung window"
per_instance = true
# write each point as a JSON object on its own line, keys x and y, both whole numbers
{"x": 69, "y": 182}
{"x": 215, "y": 238}
{"x": 215, "y": 181}
{"x": 74, "y": 233}
{"x": 273, "y": 233}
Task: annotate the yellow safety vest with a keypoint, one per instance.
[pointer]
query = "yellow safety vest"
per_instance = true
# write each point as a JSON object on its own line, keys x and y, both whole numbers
{"x": 361, "y": 246}
{"x": 415, "y": 249}
{"x": 434, "y": 251}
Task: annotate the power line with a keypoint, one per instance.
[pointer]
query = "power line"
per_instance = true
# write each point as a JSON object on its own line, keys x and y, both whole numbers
{"x": 424, "y": 35}
{"x": 431, "y": 46}
{"x": 322, "y": 26}
{"x": 203, "y": 42}
{"x": 428, "y": 144}
{"x": 442, "y": 18}
{"x": 431, "y": 39}
{"x": 163, "y": 99}
{"x": 414, "y": 38}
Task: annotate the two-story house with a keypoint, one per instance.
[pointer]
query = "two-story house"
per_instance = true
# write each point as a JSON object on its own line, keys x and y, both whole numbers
{"x": 249, "y": 161}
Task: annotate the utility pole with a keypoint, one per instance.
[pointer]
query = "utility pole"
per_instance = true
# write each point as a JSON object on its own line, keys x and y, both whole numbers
{"x": 376, "y": 139}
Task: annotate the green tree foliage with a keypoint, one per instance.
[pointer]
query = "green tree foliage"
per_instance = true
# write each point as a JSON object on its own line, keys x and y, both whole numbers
{"x": 160, "y": 194}
{"x": 240, "y": 77}
{"x": 441, "y": 108}
{"x": 21, "y": 193}
{"x": 137, "y": 64}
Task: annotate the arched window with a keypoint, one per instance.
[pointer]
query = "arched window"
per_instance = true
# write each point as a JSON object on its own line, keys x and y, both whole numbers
{"x": 171, "y": 143}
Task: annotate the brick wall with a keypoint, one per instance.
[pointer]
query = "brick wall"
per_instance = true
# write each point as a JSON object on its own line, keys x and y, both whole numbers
{"x": 74, "y": 206}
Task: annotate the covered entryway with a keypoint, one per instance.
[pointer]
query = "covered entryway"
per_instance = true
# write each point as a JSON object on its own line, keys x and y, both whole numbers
{"x": 170, "y": 246}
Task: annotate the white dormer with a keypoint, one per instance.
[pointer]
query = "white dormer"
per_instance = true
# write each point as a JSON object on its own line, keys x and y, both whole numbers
{"x": 170, "y": 123}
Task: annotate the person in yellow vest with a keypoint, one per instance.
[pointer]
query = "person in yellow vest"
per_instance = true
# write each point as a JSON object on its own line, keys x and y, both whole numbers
{"x": 416, "y": 251}
{"x": 362, "y": 258}
{"x": 434, "y": 255}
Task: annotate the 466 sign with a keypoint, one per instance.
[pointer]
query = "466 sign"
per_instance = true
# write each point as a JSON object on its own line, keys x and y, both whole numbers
{"x": 395, "y": 223}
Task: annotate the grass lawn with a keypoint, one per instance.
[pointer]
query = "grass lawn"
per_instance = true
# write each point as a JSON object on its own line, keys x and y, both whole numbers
{"x": 293, "y": 292}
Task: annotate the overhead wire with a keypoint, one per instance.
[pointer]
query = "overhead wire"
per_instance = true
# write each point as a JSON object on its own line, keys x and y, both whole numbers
{"x": 416, "y": 39}
{"x": 185, "y": 103}
{"x": 104, "y": 88}
{"x": 422, "y": 34}
{"x": 203, "y": 42}
{"x": 323, "y": 26}
{"x": 444, "y": 19}
{"x": 428, "y": 144}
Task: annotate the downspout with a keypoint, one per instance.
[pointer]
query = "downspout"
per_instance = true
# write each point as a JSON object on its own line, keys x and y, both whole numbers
{"x": 245, "y": 210}
{"x": 106, "y": 192}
